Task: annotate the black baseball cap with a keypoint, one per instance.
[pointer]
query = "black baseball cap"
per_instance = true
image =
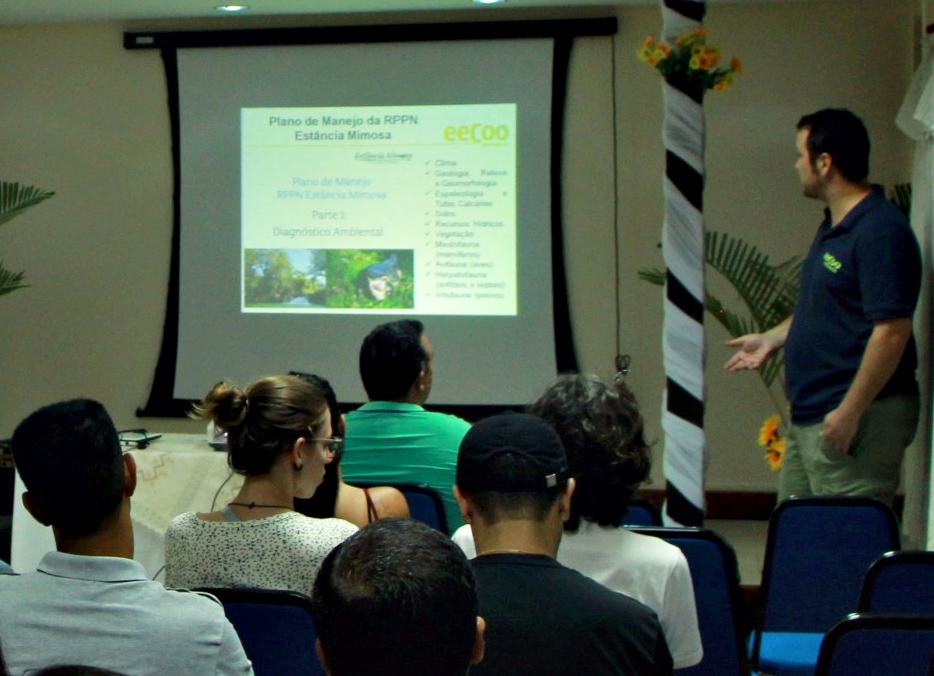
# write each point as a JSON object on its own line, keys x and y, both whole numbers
{"x": 519, "y": 433}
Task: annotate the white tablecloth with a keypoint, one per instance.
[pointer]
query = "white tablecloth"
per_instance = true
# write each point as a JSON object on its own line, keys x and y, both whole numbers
{"x": 177, "y": 473}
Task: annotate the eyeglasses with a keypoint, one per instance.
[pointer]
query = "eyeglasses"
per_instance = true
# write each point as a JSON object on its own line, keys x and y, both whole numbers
{"x": 332, "y": 444}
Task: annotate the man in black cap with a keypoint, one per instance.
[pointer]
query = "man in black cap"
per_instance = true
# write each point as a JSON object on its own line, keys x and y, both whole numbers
{"x": 514, "y": 490}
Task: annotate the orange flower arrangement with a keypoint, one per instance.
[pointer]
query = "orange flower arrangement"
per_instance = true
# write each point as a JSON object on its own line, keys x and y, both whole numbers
{"x": 690, "y": 59}
{"x": 772, "y": 441}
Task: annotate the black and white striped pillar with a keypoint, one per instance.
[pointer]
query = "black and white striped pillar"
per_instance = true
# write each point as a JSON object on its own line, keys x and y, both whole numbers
{"x": 685, "y": 458}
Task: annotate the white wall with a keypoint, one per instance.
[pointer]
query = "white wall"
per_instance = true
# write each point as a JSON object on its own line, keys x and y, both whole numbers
{"x": 82, "y": 116}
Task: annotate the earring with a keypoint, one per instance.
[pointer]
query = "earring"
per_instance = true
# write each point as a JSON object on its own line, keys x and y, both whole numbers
{"x": 298, "y": 466}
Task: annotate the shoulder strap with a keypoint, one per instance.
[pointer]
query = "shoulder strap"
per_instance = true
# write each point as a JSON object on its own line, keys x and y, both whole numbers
{"x": 371, "y": 514}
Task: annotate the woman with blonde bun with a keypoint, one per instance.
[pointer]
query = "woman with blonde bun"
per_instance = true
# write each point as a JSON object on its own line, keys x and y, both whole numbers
{"x": 279, "y": 438}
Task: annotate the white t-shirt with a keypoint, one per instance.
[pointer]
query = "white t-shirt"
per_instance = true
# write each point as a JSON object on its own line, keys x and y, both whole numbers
{"x": 643, "y": 567}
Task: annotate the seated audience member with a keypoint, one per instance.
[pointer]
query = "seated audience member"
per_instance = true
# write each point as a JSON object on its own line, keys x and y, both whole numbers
{"x": 89, "y": 602}
{"x": 359, "y": 506}
{"x": 397, "y": 598}
{"x": 392, "y": 438}
{"x": 514, "y": 488}
{"x": 279, "y": 437}
{"x": 602, "y": 431}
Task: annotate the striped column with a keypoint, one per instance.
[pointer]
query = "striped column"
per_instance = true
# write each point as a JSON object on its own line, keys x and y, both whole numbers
{"x": 683, "y": 344}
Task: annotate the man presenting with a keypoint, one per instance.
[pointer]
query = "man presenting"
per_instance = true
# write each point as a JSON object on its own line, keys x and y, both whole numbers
{"x": 850, "y": 355}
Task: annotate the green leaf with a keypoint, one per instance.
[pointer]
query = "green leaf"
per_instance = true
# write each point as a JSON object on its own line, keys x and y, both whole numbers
{"x": 769, "y": 292}
{"x": 10, "y": 281}
{"x": 15, "y": 199}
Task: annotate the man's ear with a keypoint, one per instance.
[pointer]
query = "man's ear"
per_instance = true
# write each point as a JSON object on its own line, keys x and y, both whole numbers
{"x": 129, "y": 474}
{"x": 322, "y": 657}
{"x": 462, "y": 504}
{"x": 479, "y": 644}
{"x": 565, "y": 500}
{"x": 823, "y": 164}
{"x": 34, "y": 509}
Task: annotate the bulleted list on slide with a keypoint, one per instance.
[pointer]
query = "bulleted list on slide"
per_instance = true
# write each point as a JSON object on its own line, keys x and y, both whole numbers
{"x": 390, "y": 209}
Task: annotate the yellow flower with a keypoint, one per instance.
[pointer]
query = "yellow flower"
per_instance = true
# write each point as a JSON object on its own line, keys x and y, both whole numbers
{"x": 644, "y": 53}
{"x": 659, "y": 53}
{"x": 694, "y": 63}
{"x": 722, "y": 85}
{"x": 648, "y": 41}
{"x": 700, "y": 32}
{"x": 697, "y": 49}
{"x": 736, "y": 66}
{"x": 652, "y": 61}
{"x": 769, "y": 430}
{"x": 703, "y": 61}
{"x": 775, "y": 454}
{"x": 665, "y": 48}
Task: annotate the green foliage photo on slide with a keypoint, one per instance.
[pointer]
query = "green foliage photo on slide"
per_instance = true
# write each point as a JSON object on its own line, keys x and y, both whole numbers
{"x": 303, "y": 279}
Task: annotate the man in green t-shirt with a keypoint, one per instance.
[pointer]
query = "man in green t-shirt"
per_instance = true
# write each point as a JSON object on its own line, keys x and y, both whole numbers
{"x": 392, "y": 438}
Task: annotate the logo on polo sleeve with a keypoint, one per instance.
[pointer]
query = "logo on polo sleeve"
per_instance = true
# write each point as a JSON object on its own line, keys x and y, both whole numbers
{"x": 832, "y": 263}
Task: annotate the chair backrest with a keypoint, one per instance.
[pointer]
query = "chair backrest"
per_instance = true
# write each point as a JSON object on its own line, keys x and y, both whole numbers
{"x": 425, "y": 504}
{"x": 641, "y": 512}
{"x": 817, "y": 552}
{"x": 866, "y": 644}
{"x": 899, "y": 582}
{"x": 715, "y": 576}
{"x": 275, "y": 628}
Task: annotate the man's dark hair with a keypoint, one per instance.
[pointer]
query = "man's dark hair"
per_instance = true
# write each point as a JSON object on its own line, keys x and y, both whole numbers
{"x": 842, "y": 135}
{"x": 603, "y": 434}
{"x": 391, "y": 358}
{"x": 396, "y": 598}
{"x": 69, "y": 457}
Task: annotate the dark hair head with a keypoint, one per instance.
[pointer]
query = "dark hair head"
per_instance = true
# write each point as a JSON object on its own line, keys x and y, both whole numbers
{"x": 396, "y": 598}
{"x": 842, "y": 135}
{"x": 69, "y": 457}
{"x": 321, "y": 504}
{"x": 602, "y": 431}
{"x": 265, "y": 420}
{"x": 391, "y": 358}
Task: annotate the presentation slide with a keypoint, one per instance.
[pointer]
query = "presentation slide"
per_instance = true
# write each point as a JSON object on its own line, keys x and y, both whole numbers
{"x": 326, "y": 189}
{"x": 379, "y": 209}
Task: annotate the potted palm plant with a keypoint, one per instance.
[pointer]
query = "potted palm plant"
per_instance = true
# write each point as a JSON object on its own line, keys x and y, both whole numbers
{"x": 14, "y": 200}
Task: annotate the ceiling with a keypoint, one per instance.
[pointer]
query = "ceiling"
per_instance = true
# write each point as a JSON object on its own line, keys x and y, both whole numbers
{"x": 14, "y": 12}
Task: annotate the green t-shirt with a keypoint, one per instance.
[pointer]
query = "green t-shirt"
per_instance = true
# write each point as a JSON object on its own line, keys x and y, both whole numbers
{"x": 395, "y": 442}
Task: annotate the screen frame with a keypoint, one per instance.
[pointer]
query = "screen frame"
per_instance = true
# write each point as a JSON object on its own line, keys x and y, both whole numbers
{"x": 161, "y": 401}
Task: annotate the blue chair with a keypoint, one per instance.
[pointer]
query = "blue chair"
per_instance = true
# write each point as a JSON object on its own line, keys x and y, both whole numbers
{"x": 425, "y": 504}
{"x": 641, "y": 512}
{"x": 715, "y": 576}
{"x": 900, "y": 583}
{"x": 866, "y": 644}
{"x": 816, "y": 555}
{"x": 276, "y": 629}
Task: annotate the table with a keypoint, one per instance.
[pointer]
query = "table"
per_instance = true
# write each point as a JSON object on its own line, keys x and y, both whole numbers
{"x": 177, "y": 473}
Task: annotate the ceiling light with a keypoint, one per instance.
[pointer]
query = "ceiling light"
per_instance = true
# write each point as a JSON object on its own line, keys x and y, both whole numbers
{"x": 231, "y": 8}
{"x": 488, "y": 2}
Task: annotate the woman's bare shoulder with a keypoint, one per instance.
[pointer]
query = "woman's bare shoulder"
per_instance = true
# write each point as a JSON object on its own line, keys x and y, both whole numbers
{"x": 389, "y": 501}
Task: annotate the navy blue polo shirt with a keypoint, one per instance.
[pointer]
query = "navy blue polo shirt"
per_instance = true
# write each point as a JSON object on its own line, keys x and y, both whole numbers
{"x": 866, "y": 269}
